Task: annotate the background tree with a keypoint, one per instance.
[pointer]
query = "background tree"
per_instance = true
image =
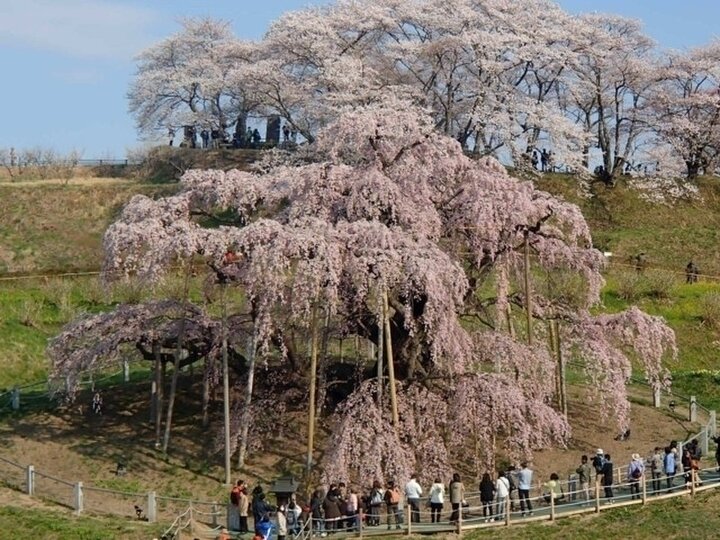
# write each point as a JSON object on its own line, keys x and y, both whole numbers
{"x": 193, "y": 78}
{"x": 687, "y": 108}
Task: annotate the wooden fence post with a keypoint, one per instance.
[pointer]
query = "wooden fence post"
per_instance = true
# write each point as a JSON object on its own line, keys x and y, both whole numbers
{"x": 126, "y": 371}
{"x": 693, "y": 409}
{"x": 15, "y": 399}
{"x": 408, "y": 519}
{"x": 692, "y": 481}
{"x": 552, "y": 505}
{"x": 360, "y": 523}
{"x": 151, "y": 507}
{"x": 712, "y": 424}
{"x": 643, "y": 479}
{"x": 597, "y": 496}
{"x": 78, "y": 496}
{"x": 459, "y": 521}
{"x": 507, "y": 512}
{"x": 656, "y": 398}
{"x": 30, "y": 480}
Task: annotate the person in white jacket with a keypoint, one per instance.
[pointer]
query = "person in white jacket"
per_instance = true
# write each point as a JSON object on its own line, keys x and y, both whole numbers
{"x": 502, "y": 491}
{"x": 413, "y": 492}
{"x": 437, "y": 500}
{"x": 281, "y": 522}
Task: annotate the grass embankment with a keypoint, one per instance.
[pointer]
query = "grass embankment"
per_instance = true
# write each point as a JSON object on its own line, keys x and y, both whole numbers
{"x": 624, "y": 223}
{"x": 671, "y": 519}
{"x": 16, "y": 522}
{"x": 49, "y": 228}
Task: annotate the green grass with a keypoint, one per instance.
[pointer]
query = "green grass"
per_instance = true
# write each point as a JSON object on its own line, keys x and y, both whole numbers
{"x": 50, "y": 525}
{"x": 677, "y": 518}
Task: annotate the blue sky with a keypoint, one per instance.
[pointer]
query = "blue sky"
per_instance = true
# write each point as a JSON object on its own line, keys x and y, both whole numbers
{"x": 66, "y": 64}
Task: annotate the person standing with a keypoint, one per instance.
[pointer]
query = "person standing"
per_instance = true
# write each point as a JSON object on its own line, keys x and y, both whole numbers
{"x": 377, "y": 496}
{"x": 392, "y": 500}
{"x": 316, "y": 511}
{"x": 487, "y": 495}
{"x": 716, "y": 440}
{"x": 413, "y": 492}
{"x": 331, "y": 509}
{"x": 635, "y": 473}
{"x": 281, "y": 523}
{"x": 233, "y": 515}
{"x": 670, "y": 467}
{"x": 243, "y": 507}
{"x": 656, "y": 468}
{"x": 353, "y": 509}
{"x": 457, "y": 495}
{"x": 502, "y": 492}
{"x": 525, "y": 476}
{"x": 584, "y": 471}
{"x": 437, "y": 500}
{"x": 607, "y": 474}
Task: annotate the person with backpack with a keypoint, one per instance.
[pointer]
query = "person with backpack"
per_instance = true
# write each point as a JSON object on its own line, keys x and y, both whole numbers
{"x": 392, "y": 500}
{"x": 636, "y": 471}
{"x": 598, "y": 462}
{"x": 377, "y": 496}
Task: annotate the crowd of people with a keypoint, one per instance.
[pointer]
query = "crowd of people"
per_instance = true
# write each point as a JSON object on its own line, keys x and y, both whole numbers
{"x": 348, "y": 508}
{"x": 214, "y": 138}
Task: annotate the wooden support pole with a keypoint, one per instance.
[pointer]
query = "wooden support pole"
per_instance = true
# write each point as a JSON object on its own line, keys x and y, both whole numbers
{"x": 311, "y": 404}
{"x": 507, "y": 511}
{"x": 692, "y": 481}
{"x": 643, "y": 479}
{"x": 245, "y": 422}
{"x": 597, "y": 496}
{"x": 226, "y": 384}
{"x": 408, "y": 519}
{"x": 552, "y": 505}
{"x": 391, "y": 367}
{"x": 380, "y": 367}
{"x": 528, "y": 292}
{"x": 561, "y": 369}
{"x": 459, "y": 521}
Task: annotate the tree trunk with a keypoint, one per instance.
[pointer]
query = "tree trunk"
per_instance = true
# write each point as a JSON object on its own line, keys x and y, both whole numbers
{"x": 248, "y": 401}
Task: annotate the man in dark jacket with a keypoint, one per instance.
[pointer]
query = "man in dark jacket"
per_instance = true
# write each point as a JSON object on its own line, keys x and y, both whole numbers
{"x": 607, "y": 472}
